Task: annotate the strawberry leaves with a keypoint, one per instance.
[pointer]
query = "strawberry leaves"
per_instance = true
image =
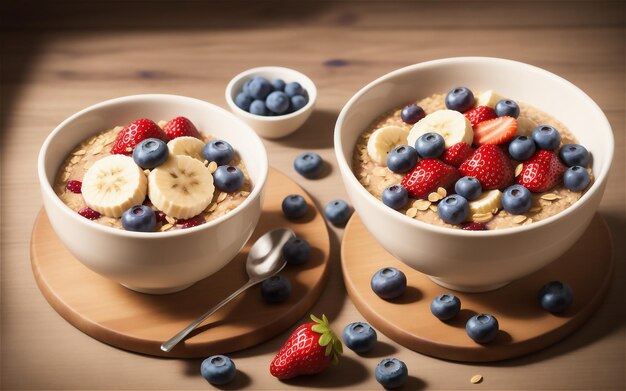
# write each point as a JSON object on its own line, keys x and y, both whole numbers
{"x": 333, "y": 345}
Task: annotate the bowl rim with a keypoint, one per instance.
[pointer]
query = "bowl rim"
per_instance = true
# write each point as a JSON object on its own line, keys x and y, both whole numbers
{"x": 269, "y": 68}
{"x": 49, "y": 192}
{"x": 345, "y": 167}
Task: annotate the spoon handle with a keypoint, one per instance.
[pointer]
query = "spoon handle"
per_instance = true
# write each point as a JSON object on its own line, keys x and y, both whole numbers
{"x": 169, "y": 344}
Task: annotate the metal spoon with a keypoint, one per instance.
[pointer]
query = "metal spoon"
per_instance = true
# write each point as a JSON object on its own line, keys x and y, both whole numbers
{"x": 264, "y": 260}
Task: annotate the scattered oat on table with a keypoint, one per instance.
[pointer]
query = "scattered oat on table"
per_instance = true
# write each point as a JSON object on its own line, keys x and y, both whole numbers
{"x": 476, "y": 379}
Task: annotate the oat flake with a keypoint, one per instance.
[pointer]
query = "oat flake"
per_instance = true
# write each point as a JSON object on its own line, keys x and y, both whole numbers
{"x": 519, "y": 219}
{"x": 550, "y": 197}
{"x": 412, "y": 212}
{"x": 421, "y": 205}
{"x": 434, "y": 197}
{"x": 518, "y": 169}
{"x": 476, "y": 379}
{"x": 442, "y": 192}
{"x": 221, "y": 197}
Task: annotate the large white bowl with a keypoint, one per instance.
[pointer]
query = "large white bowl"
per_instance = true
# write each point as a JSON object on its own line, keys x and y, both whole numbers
{"x": 156, "y": 262}
{"x": 476, "y": 260}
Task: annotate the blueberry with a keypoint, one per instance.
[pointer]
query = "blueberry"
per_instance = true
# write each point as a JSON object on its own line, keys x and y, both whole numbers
{"x": 298, "y": 102}
{"x": 218, "y": 151}
{"x": 391, "y": 373}
{"x": 276, "y": 289}
{"x": 507, "y": 107}
{"x": 522, "y": 148}
{"x": 446, "y": 306}
{"x": 278, "y": 85}
{"x": 460, "y": 99}
{"x": 309, "y": 165}
{"x": 337, "y": 212}
{"x": 150, "y": 153}
{"x": 430, "y": 145}
{"x": 359, "y": 337}
{"x": 388, "y": 283}
{"x": 140, "y": 218}
{"x": 243, "y": 101}
{"x": 516, "y": 199}
{"x": 395, "y": 196}
{"x": 228, "y": 178}
{"x": 402, "y": 159}
{"x": 453, "y": 209}
{"x": 576, "y": 178}
{"x": 482, "y": 328}
{"x": 468, "y": 187}
{"x": 294, "y": 88}
{"x": 218, "y": 370}
{"x": 574, "y": 155}
{"x": 412, "y": 113}
{"x": 546, "y": 137}
{"x": 259, "y": 88}
{"x": 278, "y": 102}
{"x": 294, "y": 206}
{"x": 556, "y": 296}
{"x": 246, "y": 87}
{"x": 258, "y": 107}
{"x": 297, "y": 251}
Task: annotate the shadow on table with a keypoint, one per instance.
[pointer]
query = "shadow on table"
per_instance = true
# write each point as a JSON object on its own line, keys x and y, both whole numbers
{"x": 316, "y": 133}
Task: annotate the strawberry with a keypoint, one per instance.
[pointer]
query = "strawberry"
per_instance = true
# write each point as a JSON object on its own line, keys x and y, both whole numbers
{"x": 479, "y": 114}
{"x": 491, "y": 166}
{"x": 475, "y": 226}
{"x": 495, "y": 131}
{"x": 180, "y": 126}
{"x": 135, "y": 133}
{"x": 310, "y": 349}
{"x": 427, "y": 176}
{"x": 541, "y": 172}
{"x": 457, "y": 154}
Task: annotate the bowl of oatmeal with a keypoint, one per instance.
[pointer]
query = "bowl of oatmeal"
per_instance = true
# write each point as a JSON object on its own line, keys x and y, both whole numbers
{"x": 405, "y": 141}
{"x": 153, "y": 191}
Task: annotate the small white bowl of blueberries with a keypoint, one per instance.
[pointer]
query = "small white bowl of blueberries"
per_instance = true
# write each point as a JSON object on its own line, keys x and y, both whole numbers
{"x": 274, "y": 101}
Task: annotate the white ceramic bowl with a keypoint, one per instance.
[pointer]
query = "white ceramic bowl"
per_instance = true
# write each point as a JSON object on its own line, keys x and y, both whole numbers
{"x": 476, "y": 260}
{"x": 155, "y": 262}
{"x": 281, "y": 125}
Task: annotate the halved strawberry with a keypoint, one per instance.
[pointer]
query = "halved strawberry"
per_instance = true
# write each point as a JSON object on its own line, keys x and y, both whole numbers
{"x": 480, "y": 114}
{"x": 491, "y": 166}
{"x": 427, "y": 176}
{"x": 457, "y": 154}
{"x": 495, "y": 131}
{"x": 541, "y": 172}
{"x": 179, "y": 127}
{"x": 135, "y": 133}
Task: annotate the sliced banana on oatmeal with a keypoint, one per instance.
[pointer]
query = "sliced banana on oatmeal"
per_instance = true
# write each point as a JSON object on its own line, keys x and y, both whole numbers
{"x": 525, "y": 126}
{"x": 114, "y": 184}
{"x": 383, "y": 141}
{"x": 488, "y": 98}
{"x": 182, "y": 187}
{"x": 453, "y": 126}
{"x": 186, "y": 145}
{"x": 486, "y": 203}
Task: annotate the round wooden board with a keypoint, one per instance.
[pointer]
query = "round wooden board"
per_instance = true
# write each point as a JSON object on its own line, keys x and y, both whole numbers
{"x": 524, "y": 326}
{"x": 139, "y": 322}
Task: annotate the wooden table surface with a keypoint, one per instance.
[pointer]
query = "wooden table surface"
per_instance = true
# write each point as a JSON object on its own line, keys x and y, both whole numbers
{"x": 59, "y": 57}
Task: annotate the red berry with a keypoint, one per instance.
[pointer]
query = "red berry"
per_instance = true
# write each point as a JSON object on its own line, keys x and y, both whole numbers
{"x": 457, "y": 154}
{"x": 427, "y": 176}
{"x": 160, "y": 216}
{"x": 479, "y": 114}
{"x": 495, "y": 131}
{"x": 491, "y": 166}
{"x": 475, "y": 227}
{"x": 135, "y": 133}
{"x": 190, "y": 222}
{"x": 89, "y": 213}
{"x": 74, "y": 186}
{"x": 541, "y": 172}
{"x": 179, "y": 127}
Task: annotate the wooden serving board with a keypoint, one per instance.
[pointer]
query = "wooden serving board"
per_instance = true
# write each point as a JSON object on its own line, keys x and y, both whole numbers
{"x": 138, "y": 322}
{"x": 524, "y": 326}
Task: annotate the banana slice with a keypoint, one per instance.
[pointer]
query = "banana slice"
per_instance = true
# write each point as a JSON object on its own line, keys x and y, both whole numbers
{"x": 488, "y": 98}
{"x": 450, "y": 124}
{"x": 181, "y": 188}
{"x": 383, "y": 140}
{"x": 113, "y": 184}
{"x": 486, "y": 203}
{"x": 525, "y": 126}
{"x": 186, "y": 145}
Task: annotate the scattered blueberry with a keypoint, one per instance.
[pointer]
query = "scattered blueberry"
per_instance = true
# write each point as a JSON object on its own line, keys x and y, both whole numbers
{"x": 395, "y": 196}
{"x": 140, "y": 218}
{"x": 576, "y": 178}
{"x": 150, "y": 153}
{"x": 391, "y": 373}
{"x": 516, "y": 199}
{"x": 309, "y": 165}
{"x": 258, "y": 107}
{"x": 359, "y": 337}
{"x": 294, "y": 206}
{"x": 522, "y": 148}
{"x": 507, "y": 107}
{"x": 259, "y": 88}
{"x": 218, "y": 370}
{"x": 388, "y": 283}
{"x": 430, "y": 145}
{"x": 276, "y": 289}
{"x": 298, "y": 102}
{"x": 402, "y": 159}
{"x": 228, "y": 178}
{"x": 446, "y": 306}
{"x": 337, "y": 212}
{"x": 546, "y": 137}
{"x": 574, "y": 155}
{"x": 468, "y": 187}
{"x": 412, "y": 113}
{"x": 218, "y": 151}
{"x": 297, "y": 251}
{"x": 453, "y": 209}
{"x": 556, "y": 296}
{"x": 279, "y": 85}
{"x": 243, "y": 101}
{"x": 277, "y": 102}
{"x": 460, "y": 99}
{"x": 482, "y": 328}
{"x": 294, "y": 88}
